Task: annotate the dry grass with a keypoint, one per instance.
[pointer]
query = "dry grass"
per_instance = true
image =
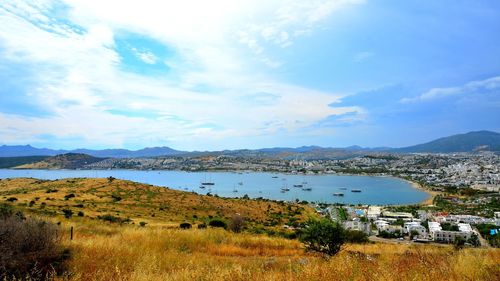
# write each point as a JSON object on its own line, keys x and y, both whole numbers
{"x": 128, "y": 253}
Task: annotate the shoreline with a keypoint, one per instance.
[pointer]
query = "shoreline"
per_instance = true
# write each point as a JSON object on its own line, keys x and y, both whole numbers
{"x": 432, "y": 194}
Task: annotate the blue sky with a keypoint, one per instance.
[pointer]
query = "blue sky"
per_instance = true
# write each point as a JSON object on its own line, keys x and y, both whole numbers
{"x": 207, "y": 75}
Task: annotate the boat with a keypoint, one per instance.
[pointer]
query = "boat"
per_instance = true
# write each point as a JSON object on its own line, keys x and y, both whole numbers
{"x": 307, "y": 188}
{"x": 235, "y": 190}
{"x": 240, "y": 183}
{"x": 343, "y": 188}
{"x": 340, "y": 194}
{"x": 209, "y": 182}
{"x": 355, "y": 190}
{"x": 285, "y": 189}
{"x": 274, "y": 177}
{"x": 298, "y": 185}
{"x": 202, "y": 186}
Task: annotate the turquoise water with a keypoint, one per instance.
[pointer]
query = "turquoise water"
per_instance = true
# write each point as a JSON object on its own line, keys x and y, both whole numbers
{"x": 374, "y": 190}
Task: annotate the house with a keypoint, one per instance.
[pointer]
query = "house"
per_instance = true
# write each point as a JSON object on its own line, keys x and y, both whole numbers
{"x": 359, "y": 226}
{"x": 451, "y": 236}
{"x": 373, "y": 212}
{"x": 421, "y": 230}
{"x": 434, "y": 227}
{"x": 398, "y": 215}
{"x": 464, "y": 227}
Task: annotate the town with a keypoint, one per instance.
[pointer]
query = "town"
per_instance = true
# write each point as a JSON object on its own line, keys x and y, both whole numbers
{"x": 419, "y": 226}
{"x": 437, "y": 171}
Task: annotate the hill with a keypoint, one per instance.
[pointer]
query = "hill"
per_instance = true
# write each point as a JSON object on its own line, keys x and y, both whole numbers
{"x": 133, "y": 202}
{"x": 9, "y": 162}
{"x": 469, "y": 142}
{"x": 62, "y": 161}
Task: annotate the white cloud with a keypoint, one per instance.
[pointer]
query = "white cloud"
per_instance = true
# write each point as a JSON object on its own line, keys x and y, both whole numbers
{"x": 471, "y": 87}
{"x": 79, "y": 79}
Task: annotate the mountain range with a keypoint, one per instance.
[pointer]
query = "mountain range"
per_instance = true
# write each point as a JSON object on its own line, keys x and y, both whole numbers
{"x": 468, "y": 142}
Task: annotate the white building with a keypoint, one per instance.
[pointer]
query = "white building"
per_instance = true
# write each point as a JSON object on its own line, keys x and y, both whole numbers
{"x": 434, "y": 227}
{"x": 450, "y": 236}
{"x": 464, "y": 227}
{"x": 359, "y": 226}
{"x": 373, "y": 212}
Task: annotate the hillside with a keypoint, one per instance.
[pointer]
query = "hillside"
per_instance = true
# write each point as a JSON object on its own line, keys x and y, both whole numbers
{"x": 9, "y": 162}
{"x": 62, "y": 161}
{"x": 137, "y": 202}
{"x": 469, "y": 142}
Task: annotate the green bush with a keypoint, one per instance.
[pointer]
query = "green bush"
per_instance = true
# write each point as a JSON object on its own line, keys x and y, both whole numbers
{"x": 67, "y": 213}
{"x": 217, "y": 223}
{"x": 185, "y": 225}
{"x": 355, "y": 236}
{"x": 113, "y": 219}
{"x": 324, "y": 236}
{"x": 6, "y": 211}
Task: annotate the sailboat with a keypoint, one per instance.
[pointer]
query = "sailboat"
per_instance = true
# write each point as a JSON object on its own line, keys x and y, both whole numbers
{"x": 207, "y": 182}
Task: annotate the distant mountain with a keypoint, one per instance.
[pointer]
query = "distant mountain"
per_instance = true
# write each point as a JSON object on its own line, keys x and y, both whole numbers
{"x": 125, "y": 153}
{"x": 63, "y": 161}
{"x": 469, "y": 142}
{"x": 28, "y": 150}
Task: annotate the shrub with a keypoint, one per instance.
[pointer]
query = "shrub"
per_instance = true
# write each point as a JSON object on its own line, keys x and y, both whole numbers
{"x": 185, "y": 225}
{"x": 6, "y": 211}
{"x": 116, "y": 198}
{"x": 67, "y": 213}
{"x": 217, "y": 223}
{"x": 459, "y": 243}
{"x": 12, "y": 199}
{"x": 202, "y": 226}
{"x": 69, "y": 196}
{"x": 32, "y": 202}
{"x": 111, "y": 179}
{"x": 324, "y": 236}
{"x": 236, "y": 223}
{"x": 142, "y": 223}
{"x": 113, "y": 219}
{"x": 81, "y": 214}
{"x": 355, "y": 236}
{"x": 29, "y": 249}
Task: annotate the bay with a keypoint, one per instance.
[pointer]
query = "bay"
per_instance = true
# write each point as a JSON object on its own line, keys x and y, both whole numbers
{"x": 374, "y": 190}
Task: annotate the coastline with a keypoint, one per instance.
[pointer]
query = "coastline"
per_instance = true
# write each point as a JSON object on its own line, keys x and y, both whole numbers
{"x": 432, "y": 194}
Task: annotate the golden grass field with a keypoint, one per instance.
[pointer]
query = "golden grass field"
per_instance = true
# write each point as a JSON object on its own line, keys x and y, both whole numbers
{"x": 103, "y": 252}
{"x": 161, "y": 251}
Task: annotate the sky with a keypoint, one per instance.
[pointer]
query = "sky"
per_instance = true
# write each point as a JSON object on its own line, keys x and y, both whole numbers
{"x": 225, "y": 74}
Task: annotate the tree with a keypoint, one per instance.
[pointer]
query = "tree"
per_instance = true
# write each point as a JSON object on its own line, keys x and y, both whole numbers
{"x": 459, "y": 242}
{"x": 324, "y": 236}
{"x": 236, "y": 223}
{"x": 413, "y": 233}
{"x": 474, "y": 240}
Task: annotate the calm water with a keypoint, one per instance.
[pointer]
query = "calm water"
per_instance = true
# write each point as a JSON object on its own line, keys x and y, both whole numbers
{"x": 374, "y": 190}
